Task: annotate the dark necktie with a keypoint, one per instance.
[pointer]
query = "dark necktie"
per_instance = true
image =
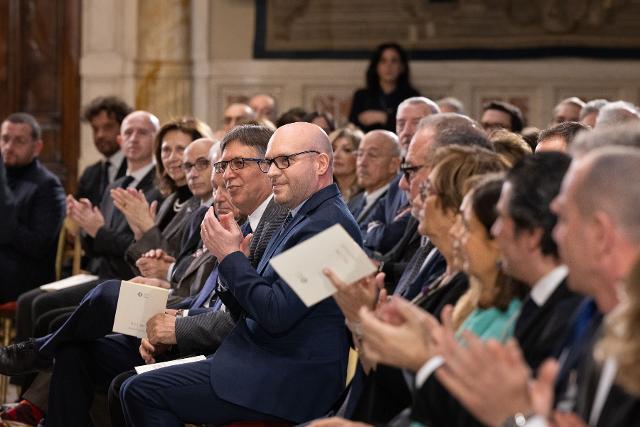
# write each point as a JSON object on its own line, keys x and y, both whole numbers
{"x": 126, "y": 181}
{"x": 529, "y": 309}
{"x": 104, "y": 178}
{"x": 413, "y": 269}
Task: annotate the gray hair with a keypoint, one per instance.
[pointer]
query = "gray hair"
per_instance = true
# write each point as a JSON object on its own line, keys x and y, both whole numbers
{"x": 454, "y": 103}
{"x": 618, "y": 112}
{"x": 606, "y": 187}
{"x": 420, "y": 100}
{"x": 626, "y": 135}
{"x": 592, "y": 106}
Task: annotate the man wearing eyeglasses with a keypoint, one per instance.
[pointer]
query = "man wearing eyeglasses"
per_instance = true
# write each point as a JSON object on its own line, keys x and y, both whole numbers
{"x": 283, "y": 361}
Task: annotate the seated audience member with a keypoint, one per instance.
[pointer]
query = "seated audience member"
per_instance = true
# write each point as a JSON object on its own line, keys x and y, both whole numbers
{"x": 106, "y": 233}
{"x": 501, "y": 115}
{"x": 325, "y": 120}
{"x": 589, "y": 113}
{"x": 597, "y": 237}
{"x": 388, "y": 83}
{"x": 233, "y": 115}
{"x": 449, "y": 104}
{"x": 345, "y": 142}
{"x": 295, "y": 114}
{"x": 250, "y": 376}
{"x": 165, "y": 229}
{"x": 409, "y": 252}
{"x": 105, "y": 115}
{"x": 390, "y": 220}
{"x": 169, "y": 266}
{"x": 617, "y": 113}
{"x": 377, "y": 164}
{"x": 410, "y": 112}
{"x": 265, "y": 107}
{"x": 28, "y": 251}
{"x": 567, "y": 110}
{"x": 510, "y": 146}
{"x": 559, "y": 137}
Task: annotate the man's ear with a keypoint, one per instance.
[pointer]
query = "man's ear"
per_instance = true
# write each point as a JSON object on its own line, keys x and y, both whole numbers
{"x": 323, "y": 163}
{"x": 37, "y": 148}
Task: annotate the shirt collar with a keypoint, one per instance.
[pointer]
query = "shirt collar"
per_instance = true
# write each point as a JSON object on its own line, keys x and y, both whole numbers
{"x": 545, "y": 286}
{"x": 207, "y": 202}
{"x": 256, "y": 215}
{"x": 375, "y": 194}
{"x": 139, "y": 174}
{"x": 116, "y": 159}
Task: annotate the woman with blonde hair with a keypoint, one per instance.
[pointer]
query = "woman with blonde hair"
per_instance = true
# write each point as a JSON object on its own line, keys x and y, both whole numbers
{"x": 345, "y": 142}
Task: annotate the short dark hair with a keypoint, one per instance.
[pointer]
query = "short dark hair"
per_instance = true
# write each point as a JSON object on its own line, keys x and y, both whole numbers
{"x": 517, "y": 120}
{"x": 310, "y": 117}
{"x": 115, "y": 108}
{"x": 249, "y": 135}
{"x": 295, "y": 114}
{"x": 27, "y": 119}
{"x": 536, "y": 181}
{"x": 565, "y": 130}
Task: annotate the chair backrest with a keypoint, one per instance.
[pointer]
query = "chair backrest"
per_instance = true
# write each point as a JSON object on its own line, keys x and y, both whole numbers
{"x": 69, "y": 247}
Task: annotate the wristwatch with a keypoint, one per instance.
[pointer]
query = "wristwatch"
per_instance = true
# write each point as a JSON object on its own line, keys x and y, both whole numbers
{"x": 517, "y": 420}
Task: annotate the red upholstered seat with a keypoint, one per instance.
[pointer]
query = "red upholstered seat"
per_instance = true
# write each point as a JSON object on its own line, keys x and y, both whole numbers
{"x": 8, "y": 309}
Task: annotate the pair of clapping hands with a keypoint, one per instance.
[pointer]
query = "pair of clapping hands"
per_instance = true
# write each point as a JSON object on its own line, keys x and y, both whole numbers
{"x": 131, "y": 202}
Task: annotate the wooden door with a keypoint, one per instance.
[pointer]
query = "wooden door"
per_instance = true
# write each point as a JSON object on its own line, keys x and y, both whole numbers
{"x": 39, "y": 74}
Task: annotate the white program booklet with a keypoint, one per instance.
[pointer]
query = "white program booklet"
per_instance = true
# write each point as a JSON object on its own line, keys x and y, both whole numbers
{"x": 69, "y": 282}
{"x": 301, "y": 266}
{"x": 146, "y": 368}
{"x": 137, "y": 303}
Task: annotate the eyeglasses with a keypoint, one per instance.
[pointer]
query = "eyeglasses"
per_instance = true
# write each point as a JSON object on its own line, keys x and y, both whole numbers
{"x": 235, "y": 164}
{"x": 427, "y": 189}
{"x": 281, "y": 162}
{"x": 409, "y": 171}
{"x": 200, "y": 165}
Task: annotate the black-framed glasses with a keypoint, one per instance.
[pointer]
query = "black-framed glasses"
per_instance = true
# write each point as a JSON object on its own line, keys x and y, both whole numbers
{"x": 200, "y": 164}
{"x": 281, "y": 162}
{"x": 409, "y": 170}
{"x": 235, "y": 163}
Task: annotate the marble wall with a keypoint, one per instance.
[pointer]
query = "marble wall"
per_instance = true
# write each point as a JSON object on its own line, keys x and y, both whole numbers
{"x": 181, "y": 56}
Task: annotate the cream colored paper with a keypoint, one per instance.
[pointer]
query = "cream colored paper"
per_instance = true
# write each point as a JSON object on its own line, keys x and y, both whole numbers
{"x": 152, "y": 367}
{"x": 301, "y": 266}
{"x": 137, "y": 303}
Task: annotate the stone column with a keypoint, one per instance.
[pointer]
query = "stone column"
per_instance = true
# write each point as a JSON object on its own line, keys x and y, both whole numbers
{"x": 163, "y": 66}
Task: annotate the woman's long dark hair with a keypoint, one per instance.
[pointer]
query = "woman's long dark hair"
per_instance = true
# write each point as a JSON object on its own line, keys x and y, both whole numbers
{"x": 373, "y": 80}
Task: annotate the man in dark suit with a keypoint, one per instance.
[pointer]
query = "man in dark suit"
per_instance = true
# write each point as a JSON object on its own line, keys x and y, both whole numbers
{"x": 27, "y": 256}
{"x": 105, "y": 115}
{"x": 283, "y": 361}
{"x": 377, "y": 163}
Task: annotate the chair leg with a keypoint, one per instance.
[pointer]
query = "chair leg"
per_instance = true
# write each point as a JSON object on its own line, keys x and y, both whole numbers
{"x": 7, "y": 324}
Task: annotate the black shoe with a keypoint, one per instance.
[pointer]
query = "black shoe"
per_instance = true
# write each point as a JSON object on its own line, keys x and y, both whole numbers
{"x": 21, "y": 358}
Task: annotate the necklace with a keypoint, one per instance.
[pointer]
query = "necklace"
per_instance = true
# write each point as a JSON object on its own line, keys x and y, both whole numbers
{"x": 177, "y": 205}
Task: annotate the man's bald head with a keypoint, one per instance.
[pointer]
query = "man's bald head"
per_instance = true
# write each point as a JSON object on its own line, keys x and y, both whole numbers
{"x": 304, "y": 154}
{"x": 378, "y": 159}
{"x": 235, "y": 113}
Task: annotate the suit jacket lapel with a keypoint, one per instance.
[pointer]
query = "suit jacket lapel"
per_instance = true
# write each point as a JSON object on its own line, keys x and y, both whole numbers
{"x": 311, "y": 204}
{"x": 560, "y": 292}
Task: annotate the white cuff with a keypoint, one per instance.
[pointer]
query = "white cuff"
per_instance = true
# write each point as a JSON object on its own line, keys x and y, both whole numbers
{"x": 170, "y": 271}
{"x": 427, "y": 369}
